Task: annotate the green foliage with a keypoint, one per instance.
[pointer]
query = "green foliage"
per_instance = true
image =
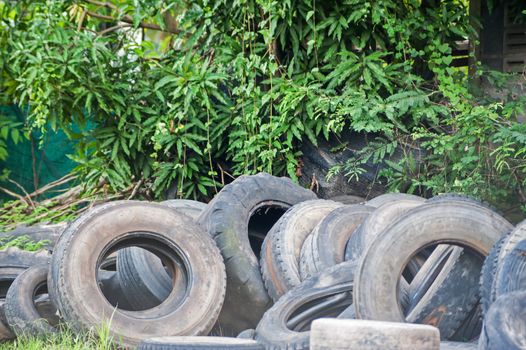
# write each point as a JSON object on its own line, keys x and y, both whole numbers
{"x": 236, "y": 86}
{"x": 22, "y": 242}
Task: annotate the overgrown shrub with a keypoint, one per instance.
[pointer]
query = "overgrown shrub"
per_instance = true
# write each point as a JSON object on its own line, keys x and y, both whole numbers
{"x": 236, "y": 86}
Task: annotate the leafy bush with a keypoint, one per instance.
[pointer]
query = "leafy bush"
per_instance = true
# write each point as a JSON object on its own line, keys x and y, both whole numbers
{"x": 236, "y": 87}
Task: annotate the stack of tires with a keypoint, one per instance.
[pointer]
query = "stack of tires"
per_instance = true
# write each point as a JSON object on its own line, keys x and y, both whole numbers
{"x": 264, "y": 259}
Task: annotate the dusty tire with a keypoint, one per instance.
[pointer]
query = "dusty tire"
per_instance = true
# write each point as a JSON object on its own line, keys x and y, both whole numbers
{"x": 439, "y": 305}
{"x": 142, "y": 274}
{"x": 507, "y": 245}
{"x": 377, "y": 202}
{"x": 375, "y": 223}
{"x": 20, "y": 310}
{"x": 226, "y": 219}
{"x": 73, "y": 284}
{"x": 455, "y": 223}
{"x": 512, "y": 274}
{"x": 247, "y": 334}
{"x": 13, "y": 262}
{"x": 280, "y": 258}
{"x": 328, "y": 334}
{"x": 453, "y": 345}
{"x": 348, "y": 199}
{"x": 487, "y": 275}
{"x": 325, "y": 247}
{"x": 199, "y": 343}
{"x": 505, "y": 323}
{"x": 325, "y": 295}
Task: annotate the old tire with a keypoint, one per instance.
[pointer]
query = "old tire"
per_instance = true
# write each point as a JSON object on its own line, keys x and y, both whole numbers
{"x": 74, "y": 289}
{"x": 512, "y": 275}
{"x": 280, "y": 258}
{"x": 325, "y": 247}
{"x": 226, "y": 219}
{"x": 20, "y": 310}
{"x": 377, "y": 202}
{"x": 199, "y": 343}
{"x": 328, "y": 334}
{"x": 505, "y": 323}
{"x": 285, "y": 325}
{"x": 13, "y": 262}
{"x": 142, "y": 274}
{"x": 487, "y": 274}
{"x": 455, "y": 223}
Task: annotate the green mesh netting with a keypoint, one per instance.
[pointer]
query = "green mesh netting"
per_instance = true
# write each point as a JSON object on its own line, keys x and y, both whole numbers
{"x": 32, "y": 164}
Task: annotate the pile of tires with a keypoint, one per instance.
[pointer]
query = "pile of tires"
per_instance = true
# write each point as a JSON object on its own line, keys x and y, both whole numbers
{"x": 265, "y": 259}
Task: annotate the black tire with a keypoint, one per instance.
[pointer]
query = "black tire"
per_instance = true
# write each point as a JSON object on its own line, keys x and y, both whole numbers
{"x": 226, "y": 219}
{"x": 13, "y": 262}
{"x": 199, "y": 343}
{"x": 447, "y": 302}
{"x": 377, "y": 202}
{"x": 47, "y": 234}
{"x": 285, "y": 325}
{"x": 512, "y": 275}
{"x": 142, "y": 274}
{"x": 247, "y": 334}
{"x": 508, "y": 244}
{"x": 442, "y": 222}
{"x": 487, "y": 275}
{"x": 20, "y": 310}
{"x": 73, "y": 285}
{"x": 375, "y": 223}
{"x": 325, "y": 247}
{"x": 280, "y": 260}
{"x": 505, "y": 323}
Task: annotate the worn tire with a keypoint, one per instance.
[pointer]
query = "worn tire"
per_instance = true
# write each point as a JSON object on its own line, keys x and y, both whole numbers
{"x": 487, "y": 274}
{"x": 505, "y": 323}
{"x": 81, "y": 248}
{"x": 199, "y": 343}
{"x": 280, "y": 258}
{"x": 142, "y": 274}
{"x": 13, "y": 262}
{"x": 226, "y": 219}
{"x": 512, "y": 274}
{"x": 508, "y": 244}
{"x": 455, "y": 223}
{"x": 377, "y": 202}
{"x": 329, "y": 334}
{"x": 324, "y": 295}
{"x": 375, "y": 223}
{"x": 325, "y": 247}
{"x": 20, "y": 309}
{"x": 348, "y": 199}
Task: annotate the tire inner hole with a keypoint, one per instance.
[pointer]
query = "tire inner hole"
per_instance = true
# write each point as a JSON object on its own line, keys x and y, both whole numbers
{"x": 260, "y": 223}
{"x": 139, "y": 274}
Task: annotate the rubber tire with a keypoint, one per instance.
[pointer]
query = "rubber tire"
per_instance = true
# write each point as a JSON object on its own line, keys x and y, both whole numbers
{"x": 247, "y": 334}
{"x": 442, "y": 222}
{"x": 453, "y": 345}
{"x": 325, "y": 247}
{"x": 281, "y": 251}
{"x": 37, "y": 233}
{"x": 20, "y": 310}
{"x": 14, "y": 261}
{"x": 142, "y": 273}
{"x": 328, "y": 334}
{"x": 377, "y": 202}
{"x": 226, "y": 219}
{"x": 199, "y": 343}
{"x": 348, "y": 199}
{"x": 437, "y": 307}
{"x": 336, "y": 281}
{"x": 375, "y": 223}
{"x": 487, "y": 275}
{"x": 505, "y": 323}
{"x": 512, "y": 275}
{"x": 508, "y": 244}
{"x": 74, "y": 288}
